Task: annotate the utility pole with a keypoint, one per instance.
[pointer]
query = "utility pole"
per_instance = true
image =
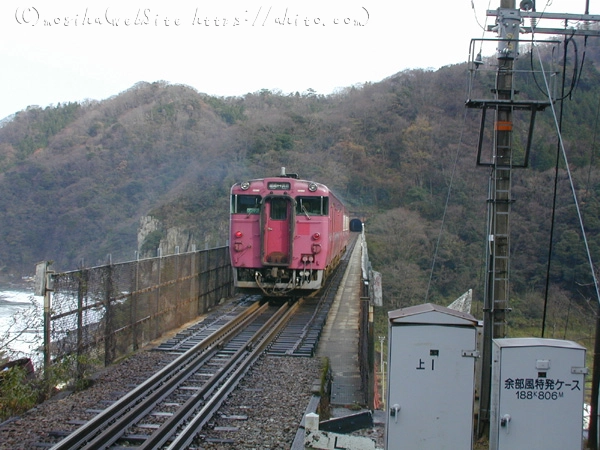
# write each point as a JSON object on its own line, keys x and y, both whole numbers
{"x": 509, "y": 25}
{"x": 499, "y": 202}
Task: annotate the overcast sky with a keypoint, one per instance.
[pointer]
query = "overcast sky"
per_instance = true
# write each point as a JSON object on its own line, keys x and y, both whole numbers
{"x": 67, "y": 50}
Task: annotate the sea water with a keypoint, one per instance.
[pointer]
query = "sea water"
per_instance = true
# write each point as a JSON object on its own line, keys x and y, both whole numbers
{"x": 20, "y": 324}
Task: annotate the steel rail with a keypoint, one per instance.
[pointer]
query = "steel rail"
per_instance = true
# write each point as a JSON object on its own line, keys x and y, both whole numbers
{"x": 260, "y": 341}
{"x": 118, "y": 412}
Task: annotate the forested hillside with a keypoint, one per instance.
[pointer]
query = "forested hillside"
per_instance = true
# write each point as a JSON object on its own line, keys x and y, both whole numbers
{"x": 77, "y": 178}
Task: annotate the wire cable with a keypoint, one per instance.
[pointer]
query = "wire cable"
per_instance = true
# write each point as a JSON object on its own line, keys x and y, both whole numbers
{"x": 572, "y": 184}
{"x": 437, "y": 245}
{"x": 576, "y": 69}
{"x": 484, "y": 26}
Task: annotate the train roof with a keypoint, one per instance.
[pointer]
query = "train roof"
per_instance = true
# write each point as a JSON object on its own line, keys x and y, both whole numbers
{"x": 293, "y": 177}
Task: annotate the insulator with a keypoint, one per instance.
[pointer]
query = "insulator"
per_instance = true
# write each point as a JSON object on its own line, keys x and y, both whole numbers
{"x": 533, "y": 23}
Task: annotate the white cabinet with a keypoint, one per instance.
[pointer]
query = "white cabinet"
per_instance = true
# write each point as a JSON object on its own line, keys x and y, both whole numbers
{"x": 537, "y": 394}
{"x": 431, "y": 360}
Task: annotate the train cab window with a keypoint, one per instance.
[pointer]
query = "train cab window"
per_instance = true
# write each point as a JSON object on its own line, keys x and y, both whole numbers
{"x": 312, "y": 206}
{"x": 245, "y": 204}
{"x": 279, "y": 209}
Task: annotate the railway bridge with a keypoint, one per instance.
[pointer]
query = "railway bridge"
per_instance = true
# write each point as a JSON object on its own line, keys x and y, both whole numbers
{"x": 95, "y": 316}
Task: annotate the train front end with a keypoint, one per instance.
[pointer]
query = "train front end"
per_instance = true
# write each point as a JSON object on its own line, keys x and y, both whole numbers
{"x": 281, "y": 236}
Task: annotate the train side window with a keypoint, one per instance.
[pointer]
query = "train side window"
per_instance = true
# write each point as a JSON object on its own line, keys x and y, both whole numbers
{"x": 312, "y": 206}
{"x": 245, "y": 204}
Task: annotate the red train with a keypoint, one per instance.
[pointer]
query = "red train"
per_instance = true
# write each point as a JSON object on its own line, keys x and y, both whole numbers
{"x": 286, "y": 235}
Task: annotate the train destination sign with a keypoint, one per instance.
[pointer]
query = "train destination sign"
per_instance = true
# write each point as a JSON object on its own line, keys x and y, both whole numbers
{"x": 278, "y": 185}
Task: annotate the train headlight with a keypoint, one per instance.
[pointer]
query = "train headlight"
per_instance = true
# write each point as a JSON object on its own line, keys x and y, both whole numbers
{"x": 316, "y": 248}
{"x": 245, "y": 185}
{"x": 312, "y": 187}
{"x": 238, "y": 234}
{"x": 316, "y": 236}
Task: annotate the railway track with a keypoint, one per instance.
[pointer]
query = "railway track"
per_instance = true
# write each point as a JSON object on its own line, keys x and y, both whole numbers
{"x": 188, "y": 338}
{"x": 169, "y": 409}
{"x": 301, "y": 334}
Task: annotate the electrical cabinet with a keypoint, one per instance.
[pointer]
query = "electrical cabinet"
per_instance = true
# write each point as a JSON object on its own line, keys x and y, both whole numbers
{"x": 537, "y": 394}
{"x": 431, "y": 378}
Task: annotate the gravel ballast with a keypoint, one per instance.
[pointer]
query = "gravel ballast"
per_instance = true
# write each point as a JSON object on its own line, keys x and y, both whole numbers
{"x": 263, "y": 412}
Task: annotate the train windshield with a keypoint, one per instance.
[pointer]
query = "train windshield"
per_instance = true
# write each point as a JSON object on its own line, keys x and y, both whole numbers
{"x": 312, "y": 206}
{"x": 245, "y": 204}
{"x": 279, "y": 209}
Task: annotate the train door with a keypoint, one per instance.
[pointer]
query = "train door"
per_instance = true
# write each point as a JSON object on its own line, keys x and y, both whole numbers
{"x": 277, "y": 229}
